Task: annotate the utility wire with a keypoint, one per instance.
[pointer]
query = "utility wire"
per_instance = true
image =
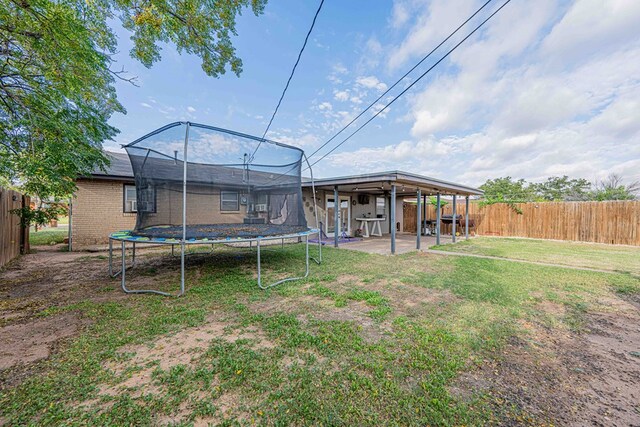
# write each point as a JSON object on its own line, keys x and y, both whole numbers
{"x": 306, "y": 39}
{"x": 411, "y": 85}
{"x": 424, "y": 58}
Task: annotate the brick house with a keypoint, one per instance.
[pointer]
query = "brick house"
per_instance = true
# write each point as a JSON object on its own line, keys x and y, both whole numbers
{"x": 103, "y": 204}
{"x": 106, "y": 202}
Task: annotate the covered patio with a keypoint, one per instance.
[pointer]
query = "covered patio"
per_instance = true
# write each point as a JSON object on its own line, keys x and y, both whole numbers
{"x": 393, "y": 187}
{"x": 405, "y": 242}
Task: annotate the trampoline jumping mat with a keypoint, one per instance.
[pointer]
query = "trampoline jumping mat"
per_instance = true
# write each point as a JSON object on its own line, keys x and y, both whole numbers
{"x": 219, "y": 231}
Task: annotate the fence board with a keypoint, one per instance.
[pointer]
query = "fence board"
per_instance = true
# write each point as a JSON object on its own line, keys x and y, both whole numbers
{"x": 613, "y": 222}
{"x": 11, "y": 234}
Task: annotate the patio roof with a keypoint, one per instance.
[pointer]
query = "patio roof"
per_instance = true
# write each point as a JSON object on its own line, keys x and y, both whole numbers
{"x": 406, "y": 184}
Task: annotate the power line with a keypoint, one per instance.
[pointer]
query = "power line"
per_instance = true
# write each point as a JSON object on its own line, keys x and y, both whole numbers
{"x": 424, "y": 58}
{"x": 411, "y": 85}
{"x": 306, "y": 39}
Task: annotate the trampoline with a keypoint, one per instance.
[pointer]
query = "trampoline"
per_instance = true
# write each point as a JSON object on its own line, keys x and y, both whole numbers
{"x": 219, "y": 231}
{"x": 202, "y": 185}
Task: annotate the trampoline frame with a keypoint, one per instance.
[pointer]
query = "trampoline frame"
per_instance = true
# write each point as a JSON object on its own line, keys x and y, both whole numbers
{"x": 258, "y": 240}
{"x": 183, "y": 242}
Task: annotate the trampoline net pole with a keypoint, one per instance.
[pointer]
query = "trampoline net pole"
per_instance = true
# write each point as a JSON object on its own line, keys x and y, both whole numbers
{"x": 315, "y": 212}
{"x": 184, "y": 206}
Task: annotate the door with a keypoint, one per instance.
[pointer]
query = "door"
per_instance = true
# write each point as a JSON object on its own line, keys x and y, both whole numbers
{"x": 344, "y": 215}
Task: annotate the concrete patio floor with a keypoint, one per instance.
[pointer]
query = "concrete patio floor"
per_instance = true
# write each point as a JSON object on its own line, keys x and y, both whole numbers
{"x": 405, "y": 242}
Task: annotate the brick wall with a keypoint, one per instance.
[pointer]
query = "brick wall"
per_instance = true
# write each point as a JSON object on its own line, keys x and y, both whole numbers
{"x": 97, "y": 212}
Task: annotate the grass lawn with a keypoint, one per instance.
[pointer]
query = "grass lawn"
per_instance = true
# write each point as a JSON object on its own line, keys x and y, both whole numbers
{"x": 591, "y": 255}
{"x": 365, "y": 340}
{"x": 47, "y": 236}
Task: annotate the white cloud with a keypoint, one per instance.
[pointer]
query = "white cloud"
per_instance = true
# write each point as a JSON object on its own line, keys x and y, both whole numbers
{"x": 548, "y": 89}
{"x": 341, "y": 95}
{"x": 191, "y": 109}
{"x": 145, "y": 105}
{"x": 593, "y": 25}
{"x": 371, "y": 82}
{"x": 399, "y": 15}
{"x": 433, "y": 23}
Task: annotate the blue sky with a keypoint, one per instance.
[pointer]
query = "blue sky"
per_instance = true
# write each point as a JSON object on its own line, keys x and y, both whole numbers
{"x": 547, "y": 88}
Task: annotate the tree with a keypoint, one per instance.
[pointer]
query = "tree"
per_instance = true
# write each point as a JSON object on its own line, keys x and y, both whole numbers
{"x": 613, "y": 188}
{"x": 434, "y": 202}
{"x": 563, "y": 188}
{"x": 57, "y": 79}
{"x": 508, "y": 190}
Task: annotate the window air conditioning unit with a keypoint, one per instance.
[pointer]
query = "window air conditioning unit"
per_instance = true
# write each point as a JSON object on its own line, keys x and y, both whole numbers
{"x": 262, "y": 207}
{"x": 134, "y": 205}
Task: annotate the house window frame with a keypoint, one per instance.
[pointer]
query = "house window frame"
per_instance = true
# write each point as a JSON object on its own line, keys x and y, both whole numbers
{"x": 124, "y": 198}
{"x": 222, "y": 201}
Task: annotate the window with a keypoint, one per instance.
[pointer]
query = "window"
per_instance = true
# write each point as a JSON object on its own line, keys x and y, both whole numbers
{"x": 229, "y": 201}
{"x": 145, "y": 201}
{"x": 380, "y": 202}
{"x": 130, "y": 200}
{"x": 260, "y": 202}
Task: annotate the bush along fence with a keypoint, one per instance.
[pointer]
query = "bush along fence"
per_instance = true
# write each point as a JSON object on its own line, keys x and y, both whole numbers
{"x": 14, "y": 238}
{"x": 613, "y": 222}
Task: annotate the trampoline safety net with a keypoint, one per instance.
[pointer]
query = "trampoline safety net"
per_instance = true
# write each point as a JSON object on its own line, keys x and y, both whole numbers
{"x": 236, "y": 185}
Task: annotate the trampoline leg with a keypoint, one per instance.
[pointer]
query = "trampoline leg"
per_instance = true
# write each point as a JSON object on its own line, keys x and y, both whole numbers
{"x": 123, "y": 284}
{"x": 117, "y": 273}
{"x": 111, "y": 258}
{"x": 306, "y": 255}
{"x": 181, "y": 269}
{"x": 258, "y": 252}
{"x": 319, "y": 259}
{"x": 289, "y": 279}
{"x": 124, "y": 268}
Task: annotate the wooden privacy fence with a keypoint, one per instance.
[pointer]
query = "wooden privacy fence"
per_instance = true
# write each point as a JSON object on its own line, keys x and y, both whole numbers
{"x": 614, "y": 222}
{"x": 13, "y": 238}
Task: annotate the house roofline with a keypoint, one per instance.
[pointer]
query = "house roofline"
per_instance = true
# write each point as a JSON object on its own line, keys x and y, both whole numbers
{"x": 396, "y": 176}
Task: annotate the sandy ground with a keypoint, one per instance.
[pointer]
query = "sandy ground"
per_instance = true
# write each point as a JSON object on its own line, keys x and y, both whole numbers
{"x": 563, "y": 377}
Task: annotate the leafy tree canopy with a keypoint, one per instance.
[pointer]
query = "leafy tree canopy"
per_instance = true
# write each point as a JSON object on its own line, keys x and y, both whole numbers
{"x": 57, "y": 75}
{"x": 562, "y": 188}
{"x": 510, "y": 191}
{"x": 613, "y": 188}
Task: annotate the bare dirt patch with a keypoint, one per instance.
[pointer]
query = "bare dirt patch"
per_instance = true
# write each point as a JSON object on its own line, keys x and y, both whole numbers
{"x": 47, "y": 279}
{"x": 181, "y": 348}
{"x": 50, "y": 278}
{"x": 561, "y": 377}
{"x": 404, "y": 299}
{"x": 28, "y": 342}
{"x": 355, "y": 312}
